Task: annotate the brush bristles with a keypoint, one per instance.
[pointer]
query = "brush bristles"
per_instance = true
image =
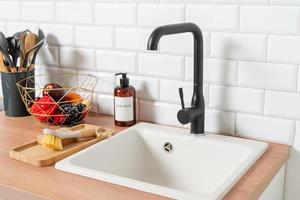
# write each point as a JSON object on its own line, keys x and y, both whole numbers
{"x": 52, "y": 142}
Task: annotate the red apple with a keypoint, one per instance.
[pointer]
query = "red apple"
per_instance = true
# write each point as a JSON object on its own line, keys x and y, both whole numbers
{"x": 53, "y": 90}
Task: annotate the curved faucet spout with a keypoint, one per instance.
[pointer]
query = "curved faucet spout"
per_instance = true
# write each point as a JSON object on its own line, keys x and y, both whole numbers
{"x": 197, "y": 123}
{"x": 173, "y": 29}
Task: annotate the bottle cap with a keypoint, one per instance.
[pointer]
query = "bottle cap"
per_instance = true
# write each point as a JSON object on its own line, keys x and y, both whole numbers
{"x": 124, "y": 81}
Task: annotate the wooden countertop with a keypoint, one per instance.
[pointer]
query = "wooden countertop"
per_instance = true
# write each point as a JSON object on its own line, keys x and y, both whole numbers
{"x": 55, "y": 184}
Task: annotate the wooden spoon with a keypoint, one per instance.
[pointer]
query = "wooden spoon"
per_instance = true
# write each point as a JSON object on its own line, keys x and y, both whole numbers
{"x": 30, "y": 55}
{"x": 3, "y": 68}
{"x": 30, "y": 42}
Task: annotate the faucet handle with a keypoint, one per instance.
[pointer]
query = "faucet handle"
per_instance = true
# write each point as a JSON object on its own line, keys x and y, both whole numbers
{"x": 181, "y": 97}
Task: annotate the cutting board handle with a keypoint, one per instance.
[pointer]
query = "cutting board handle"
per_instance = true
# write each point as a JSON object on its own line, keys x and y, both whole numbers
{"x": 87, "y": 132}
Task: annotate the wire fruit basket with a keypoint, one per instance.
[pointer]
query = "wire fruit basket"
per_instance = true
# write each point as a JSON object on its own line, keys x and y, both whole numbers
{"x": 59, "y": 99}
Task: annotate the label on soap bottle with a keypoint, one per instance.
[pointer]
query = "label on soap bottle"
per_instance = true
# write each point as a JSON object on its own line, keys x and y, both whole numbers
{"x": 124, "y": 108}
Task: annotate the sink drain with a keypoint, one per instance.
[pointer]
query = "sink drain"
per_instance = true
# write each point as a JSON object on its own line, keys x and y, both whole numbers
{"x": 168, "y": 147}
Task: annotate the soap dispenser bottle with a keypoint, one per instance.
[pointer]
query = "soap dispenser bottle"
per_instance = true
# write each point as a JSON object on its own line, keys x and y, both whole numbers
{"x": 124, "y": 102}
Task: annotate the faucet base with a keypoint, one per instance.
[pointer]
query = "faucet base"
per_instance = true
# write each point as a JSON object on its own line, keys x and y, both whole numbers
{"x": 197, "y": 125}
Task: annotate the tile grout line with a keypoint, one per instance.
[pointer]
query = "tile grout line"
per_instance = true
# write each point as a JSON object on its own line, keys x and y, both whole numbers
{"x": 263, "y": 103}
{"x": 238, "y": 24}
{"x": 293, "y": 133}
{"x": 235, "y": 124}
{"x": 297, "y": 75}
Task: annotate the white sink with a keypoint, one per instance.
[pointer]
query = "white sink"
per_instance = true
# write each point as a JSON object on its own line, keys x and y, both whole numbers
{"x": 198, "y": 167}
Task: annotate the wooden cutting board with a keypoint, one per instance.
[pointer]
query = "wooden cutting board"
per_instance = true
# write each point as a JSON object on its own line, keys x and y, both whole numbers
{"x": 35, "y": 154}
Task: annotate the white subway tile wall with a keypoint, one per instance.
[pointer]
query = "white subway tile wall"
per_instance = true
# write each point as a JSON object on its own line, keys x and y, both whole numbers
{"x": 241, "y": 1}
{"x": 12, "y": 27}
{"x": 236, "y": 99}
{"x": 74, "y": 13}
{"x": 106, "y": 104}
{"x": 268, "y": 75}
{"x": 87, "y": 36}
{"x": 298, "y": 87}
{"x": 107, "y": 83}
{"x": 251, "y": 57}
{"x": 275, "y": 19}
{"x": 77, "y": 58}
{"x": 251, "y": 51}
{"x": 238, "y": 46}
{"x": 266, "y": 128}
{"x": 157, "y": 14}
{"x": 284, "y": 48}
{"x": 183, "y": 44}
{"x": 220, "y": 121}
{"x": 282, "y": 104}
{"x": 169, "y": 91}
{"x": 7, "y": 7}
{"x": 283, "y": 2}
{"x": 115, "y": 14}
{"x": 44, "y": 12}
{"x": 179, "y": 44}
{"x": 160, "y": 113}
{"x": 147, "y": 88}
{"x": 216, "y": 71}
{"x": 48, "y": 56}
{"x": 116, "y": 61}
{"x": 59, "y": 34}
{"x": 213, "y": 17}
{"x": 132, "y": 38}
{"x": 2, "y": 26}
{"x": 165, "y": 66}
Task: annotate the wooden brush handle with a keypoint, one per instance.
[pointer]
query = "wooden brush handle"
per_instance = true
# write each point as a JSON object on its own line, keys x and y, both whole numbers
{"x": 87, "y": 132}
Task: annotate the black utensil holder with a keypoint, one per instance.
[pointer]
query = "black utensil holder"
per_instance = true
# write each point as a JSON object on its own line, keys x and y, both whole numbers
{"x": 13, "y": 103}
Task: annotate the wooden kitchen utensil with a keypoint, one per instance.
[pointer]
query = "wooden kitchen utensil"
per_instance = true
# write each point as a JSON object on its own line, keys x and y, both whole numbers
{"x": 22, "y": 37}
{"x": 53, "y": 138}
{"x": 30, "y": 42}
{"x": 65, "y": 142}
{"x": 35, "y": 154}
{"x": 4, "y": 49}
{"x": 3, "y": 68}
{"x": 41, "y": 39}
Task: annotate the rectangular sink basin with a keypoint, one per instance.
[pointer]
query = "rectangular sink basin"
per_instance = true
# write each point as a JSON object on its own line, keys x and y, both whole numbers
{"x": 168, "y": 161}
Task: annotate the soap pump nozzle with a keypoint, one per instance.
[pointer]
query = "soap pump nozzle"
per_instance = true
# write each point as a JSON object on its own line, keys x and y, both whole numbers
{"x": 124, "y": 81}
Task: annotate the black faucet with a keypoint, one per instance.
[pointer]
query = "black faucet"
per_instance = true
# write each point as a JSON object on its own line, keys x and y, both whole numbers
{"x": 196, "y": 113}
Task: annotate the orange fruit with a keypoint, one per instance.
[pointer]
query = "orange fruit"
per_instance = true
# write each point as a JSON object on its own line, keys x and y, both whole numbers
{"x": 73, "y": 97}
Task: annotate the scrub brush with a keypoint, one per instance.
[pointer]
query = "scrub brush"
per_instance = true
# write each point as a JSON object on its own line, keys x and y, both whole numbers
{"x": 53, "y": 138}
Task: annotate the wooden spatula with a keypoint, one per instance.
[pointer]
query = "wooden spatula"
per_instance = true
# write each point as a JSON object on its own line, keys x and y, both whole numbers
{"x": 22, "y": 37}
{"x": 41, "y": 39}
